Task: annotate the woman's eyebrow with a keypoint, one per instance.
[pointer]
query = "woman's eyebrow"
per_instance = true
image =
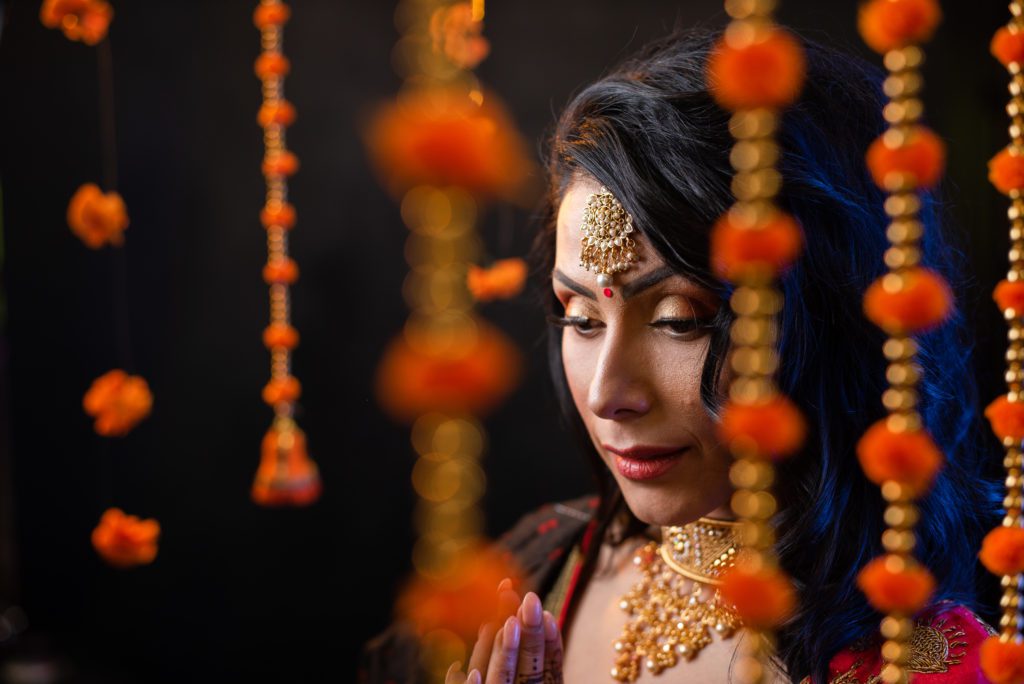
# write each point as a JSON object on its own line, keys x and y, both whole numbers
{"x": 635, "y": 287}
{"x": 573, "y": 285}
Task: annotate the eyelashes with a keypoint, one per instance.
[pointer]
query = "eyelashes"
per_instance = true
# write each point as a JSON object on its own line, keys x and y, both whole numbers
{"x": 687, "y": 328}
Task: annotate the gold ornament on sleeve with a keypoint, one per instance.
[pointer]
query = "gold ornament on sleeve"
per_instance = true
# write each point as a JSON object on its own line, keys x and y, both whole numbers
{"x": 607, "y": 245}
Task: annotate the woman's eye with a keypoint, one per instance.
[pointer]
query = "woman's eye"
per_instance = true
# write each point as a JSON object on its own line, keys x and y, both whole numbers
{"x": 583, "y": 325}
{"x": 682, "y": 327}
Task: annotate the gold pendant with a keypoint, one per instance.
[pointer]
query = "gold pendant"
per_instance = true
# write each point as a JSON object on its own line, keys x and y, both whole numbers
{"x": 668, "y": 621}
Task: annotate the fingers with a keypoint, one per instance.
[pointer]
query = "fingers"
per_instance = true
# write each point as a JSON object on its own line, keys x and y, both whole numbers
{"x": 474, "y": 677}
{"x": 508, "y": 600}
{"x": 482, "y": 648}
{"x": 501, "y": 669}
{"x": 454, "y": 674}
{"x": 552, "y": 650}
{"x": 530, "y": 666}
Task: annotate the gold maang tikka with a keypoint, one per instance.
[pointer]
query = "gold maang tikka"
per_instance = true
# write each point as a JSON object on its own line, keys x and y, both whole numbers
{"x": 607, "y": 247}
{"x": 668, "y": 621}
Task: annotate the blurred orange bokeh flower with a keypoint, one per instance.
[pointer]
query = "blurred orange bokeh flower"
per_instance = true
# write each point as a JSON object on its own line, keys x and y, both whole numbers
{"x": 1008, "y": 45}
{"x": 84, "y": 20}
{"x": 462, "y": 599}
{"x": 766, "y": 72}
{"x": 1002, "y": 661}
{"x": 762, "y": 598}
{"x": 286, "y": 476}
{"x": 891, "y": 585}
{"x": 125, "y": 541}
{"x": 118, "y": 402}
{"x": 439, "y": 136}
{"x": 412, "y": 382}
{"x": 456, "y": 35}
{"x": 911, "y": 457}
{"x": 97, "y": 218}
{"x": 892, "y": 24}
{"x": 503, "y": 279}
{"x": 922, "y": 301}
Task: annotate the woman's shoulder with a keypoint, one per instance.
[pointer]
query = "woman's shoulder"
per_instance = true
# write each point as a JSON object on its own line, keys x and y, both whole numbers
{"x": 944, "y": 649}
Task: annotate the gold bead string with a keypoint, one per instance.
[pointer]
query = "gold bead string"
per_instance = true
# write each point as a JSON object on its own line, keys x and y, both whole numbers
{"x": 902, "y": 113}
{"x": 1010, "y": 623}
{"x": 756, "y": 302}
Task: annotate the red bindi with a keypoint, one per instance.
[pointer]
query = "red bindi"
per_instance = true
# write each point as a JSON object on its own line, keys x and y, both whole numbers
{"x": 608, "y": 292}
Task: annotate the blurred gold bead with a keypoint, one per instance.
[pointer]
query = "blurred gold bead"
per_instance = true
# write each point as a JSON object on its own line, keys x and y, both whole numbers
{"x": 901, "y": 515}
{"x": 897, "y": 628}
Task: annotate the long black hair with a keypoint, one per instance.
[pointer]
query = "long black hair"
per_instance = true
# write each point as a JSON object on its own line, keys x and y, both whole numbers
{"x": 652, "y": 135}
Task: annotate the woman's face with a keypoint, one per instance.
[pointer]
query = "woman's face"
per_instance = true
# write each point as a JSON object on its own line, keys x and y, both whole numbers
{"x": 633, "y": 362}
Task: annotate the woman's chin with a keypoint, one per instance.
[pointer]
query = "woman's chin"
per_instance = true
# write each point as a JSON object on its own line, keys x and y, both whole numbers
{"x": 665, "y": 509}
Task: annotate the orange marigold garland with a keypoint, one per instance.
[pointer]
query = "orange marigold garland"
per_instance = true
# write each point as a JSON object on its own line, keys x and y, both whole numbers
{"x": 118, "y": 402}
{"x": 84, "y": 20}
{"x": 97, "y": 218}
{"x": 755, "y": 70}
{"x": 286, "y": 474}
{"x": 1002, "y": 551}
{"x": 897, "y": 453}
{"x": 125, "y": 541}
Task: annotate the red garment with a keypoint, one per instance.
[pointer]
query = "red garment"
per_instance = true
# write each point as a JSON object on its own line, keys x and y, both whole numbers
{"x": 944, "y": 650}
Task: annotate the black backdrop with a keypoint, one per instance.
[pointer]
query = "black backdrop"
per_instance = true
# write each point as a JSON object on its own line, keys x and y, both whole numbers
{"x": 239, "y": 592}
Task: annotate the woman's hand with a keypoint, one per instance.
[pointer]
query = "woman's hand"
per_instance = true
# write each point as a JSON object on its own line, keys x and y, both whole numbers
{"x": 524, "y": 649}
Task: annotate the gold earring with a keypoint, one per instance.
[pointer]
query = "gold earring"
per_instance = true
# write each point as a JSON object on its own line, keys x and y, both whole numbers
{"x": 607, "y": 247}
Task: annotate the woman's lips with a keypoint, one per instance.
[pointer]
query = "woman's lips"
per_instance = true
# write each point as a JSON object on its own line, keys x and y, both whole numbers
{"x": 646, "y": 463}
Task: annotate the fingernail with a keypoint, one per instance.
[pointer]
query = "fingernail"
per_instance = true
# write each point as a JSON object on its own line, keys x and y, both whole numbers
{"x": 532, "y": 610}
{"x": 550, "y": 627}
{"x": 511, "y": 633}
{"x": 474, "y": 677}
{"x": 457, "y": 665}
{"x": 504, "y": 585}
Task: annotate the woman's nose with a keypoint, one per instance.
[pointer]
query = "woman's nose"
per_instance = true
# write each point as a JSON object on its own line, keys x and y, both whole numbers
{"x": 619, "y": 389}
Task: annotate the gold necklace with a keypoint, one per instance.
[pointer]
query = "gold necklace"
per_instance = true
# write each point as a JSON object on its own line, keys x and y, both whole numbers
{"x": 667, "y": 623}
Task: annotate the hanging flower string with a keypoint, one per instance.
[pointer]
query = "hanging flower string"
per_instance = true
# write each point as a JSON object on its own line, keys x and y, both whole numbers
{"x": 755, "y": 70}
{"x": 1002, "y": 551}
{"x": 286, "y": 475}
{"x": 897, "y": 453}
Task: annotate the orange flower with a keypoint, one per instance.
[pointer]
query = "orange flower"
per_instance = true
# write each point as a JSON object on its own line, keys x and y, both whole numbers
{"x": 910, "y": 458}
{"x": 503, "y": 280}
{"x": 763, "y": 598}
{"x": 286, "y": 475}
{"x": 1002, "y": 661}
{"x": 1009, "y": 295}
{"x": 921, "y": 302}
{"x": 891, "y": 24}
{"x": 919, "y": 161}
{"x": 1002, "y": 551}
{"x": 278, "y": 215}
{"x": 1006, "y": 417}
{"x": 1006, "y": 171}
{"x": 892, "y": 585}
{"x": 84, "y": 20}
{"x": 456, "y": 35}
{"x": 282, "y": 390}
{"x": 459, "y": 600}
{"x": 280, "y": 271}
{"x": 281, "y": 112}
{"x": 280, "y": 164}
{"x": 435, "y": 136}
{"x": 1008, "y": 46}
{"x": 739, "y": 253}
{"x": 271, "y": 13}
{"x": 280, "y": 335}
{"x": 767, "y": 72}
{"x": 411, "y": 382}
{"x": 774, "y": 429}
{"x": 97, "y": 218}
{"x": 270, "y": 64}
{"x": 118, "y": 402}
{"x": 124, "y": 541}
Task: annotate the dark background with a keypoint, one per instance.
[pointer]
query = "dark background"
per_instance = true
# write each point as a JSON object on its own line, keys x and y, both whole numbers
{"x": 238, "y": 592}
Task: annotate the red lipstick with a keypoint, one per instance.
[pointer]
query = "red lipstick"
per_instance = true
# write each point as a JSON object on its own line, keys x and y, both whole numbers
{"x": 645, "y": 462}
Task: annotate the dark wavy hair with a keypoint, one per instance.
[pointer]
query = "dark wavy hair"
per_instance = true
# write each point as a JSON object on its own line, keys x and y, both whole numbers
{"x": 650, "y": 133}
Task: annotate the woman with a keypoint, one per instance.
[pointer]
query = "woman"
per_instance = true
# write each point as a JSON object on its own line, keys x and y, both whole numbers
{"x": 641, "y": 373}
